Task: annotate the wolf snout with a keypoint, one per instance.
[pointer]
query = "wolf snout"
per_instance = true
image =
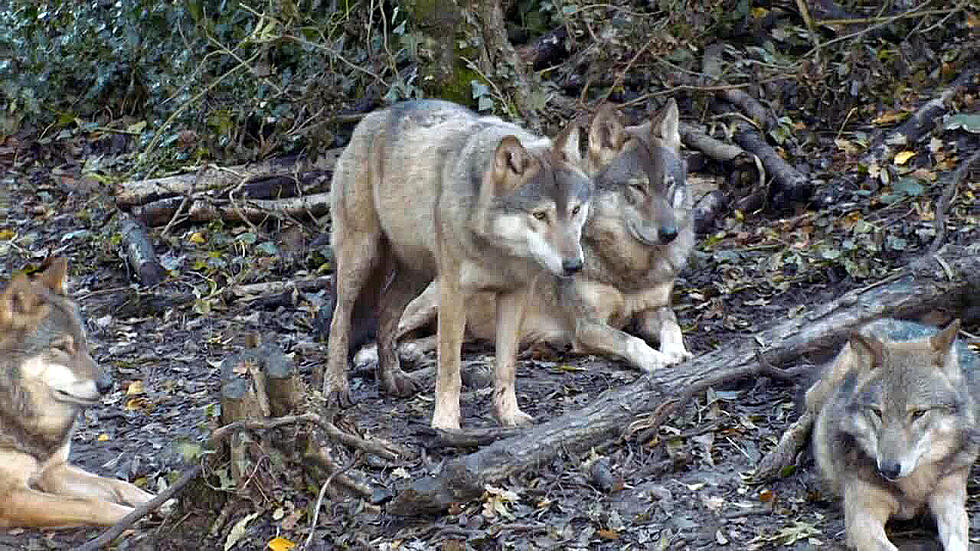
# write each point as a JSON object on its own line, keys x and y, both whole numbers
{"x": 890, "y": 470}
{"x": 571, "y": 266}
{"x": 668, "y": 234}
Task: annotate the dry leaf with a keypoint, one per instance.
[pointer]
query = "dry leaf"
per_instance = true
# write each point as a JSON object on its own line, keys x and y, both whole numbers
{"x": 280, "y": 544}
{"x": 903, "y": 157}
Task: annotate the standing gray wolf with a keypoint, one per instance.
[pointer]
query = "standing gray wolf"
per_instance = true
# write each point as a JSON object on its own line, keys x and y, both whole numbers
{"x": 47, "y": 377}
{"x": 637, "y": 238}
{"x": 428, "y": 190}
{"x": 897, "y": 429}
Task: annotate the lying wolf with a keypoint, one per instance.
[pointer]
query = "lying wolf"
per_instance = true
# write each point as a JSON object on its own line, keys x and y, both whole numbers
{"x": 637, "y": 238}
{"x": 896, "y": 432}
{"x": 428, "y": 190}
{"x": 47, "y": 377}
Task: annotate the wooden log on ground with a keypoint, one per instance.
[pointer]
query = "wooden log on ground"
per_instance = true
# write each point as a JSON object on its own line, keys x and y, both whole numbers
{"x": 750, "y": 106}
{"x": 141, "y": 192}
{"x": 788, "y": 185}
{"x": 942, "y": 281}
{"x": 922, "y": 121}
{"x": 139, "y": 252}
{"x": 160, "y": 212}
{"x": 283, "y": 385}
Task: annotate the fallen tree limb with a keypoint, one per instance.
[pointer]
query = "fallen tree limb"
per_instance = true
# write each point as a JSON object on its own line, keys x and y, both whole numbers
{"x": 923, "y": 285}
{"x": 257, "y": 180}
{"x": 160, "y": 212}
{"x": 921, "y": 122}
{"x": 788, "y": 185}
{"x": 784, "y": 454}
{"x": 111, "y": 533}
{"x": 139, "y": 252}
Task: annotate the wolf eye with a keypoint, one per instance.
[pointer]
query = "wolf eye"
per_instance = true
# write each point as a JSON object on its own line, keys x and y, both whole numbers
{"x": 875, "y": 412}
{"x": 66, "y": 345}
{"x": 539, "y": 215}
{"x": 917, "y": 414}
{"x": 576, "y": 210}
{"x": 638, "y": 188}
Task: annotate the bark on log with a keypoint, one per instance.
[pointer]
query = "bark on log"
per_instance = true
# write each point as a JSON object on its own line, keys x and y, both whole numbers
{"x": 285, "y": 389}
{"x": 160, "y": 212}
{"x": 262, "y": 175}
{"x": 925, "y": 284}
{"x": 750, "y": 106}
{"x": 139, "y": 252}
{"x": 789, "y": 185}
{"x": 548, "y": 50}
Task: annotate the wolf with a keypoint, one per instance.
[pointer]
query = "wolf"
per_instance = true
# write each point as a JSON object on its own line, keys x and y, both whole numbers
{"x": 427, "y": 190}
{"x": 896, "y": 432}
{"x": 47, "y": 377}
{"x": 637, "y": 238}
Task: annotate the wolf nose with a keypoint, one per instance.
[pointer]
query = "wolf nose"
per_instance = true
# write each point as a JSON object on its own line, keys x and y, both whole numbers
{"x": 668, "y": 234}
{"x": 103, "y": 383}
{"x": 890, "y": 470}
{"x": 571, "y": 266}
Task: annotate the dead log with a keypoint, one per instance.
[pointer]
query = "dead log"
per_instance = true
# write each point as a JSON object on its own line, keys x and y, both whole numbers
{"x": 922, "y": 121}
{"x": 942, "y": 281}
{"x": 547, "y": 51}
{"x": 283, "y": 385}
{"x": 750, "y": 106}
{"x": 256, "y": 179}
{"x": 788, "y": 185}
{"x": 139, "y": 252}
{"x": 160, "y": 212}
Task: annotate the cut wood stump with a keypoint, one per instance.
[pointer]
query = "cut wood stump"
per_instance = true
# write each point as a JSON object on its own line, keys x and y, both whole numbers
{"x": 943, "y": 281}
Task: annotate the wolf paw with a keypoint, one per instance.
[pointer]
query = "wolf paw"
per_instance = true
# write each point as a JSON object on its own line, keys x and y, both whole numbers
{"x": 445, "y": 420}
{"x": 399, "y": 383}
{"x": 513, "y": 418}
{"x": 676, "y": 355}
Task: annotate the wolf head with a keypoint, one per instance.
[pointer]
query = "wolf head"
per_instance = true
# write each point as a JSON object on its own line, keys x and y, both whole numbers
{"x": 543, "y": 199}
{"x": 43, "y": 348}
{"x": 642, "y": 165}
{"x": 907, "y": 404}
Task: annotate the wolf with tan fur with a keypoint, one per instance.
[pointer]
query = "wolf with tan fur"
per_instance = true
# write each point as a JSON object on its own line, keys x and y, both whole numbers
{"x": 429, "y": 190}
{"x": 637, "y": 238}
{"x": 47, "y": 377}
{"x": 896, "y": 433}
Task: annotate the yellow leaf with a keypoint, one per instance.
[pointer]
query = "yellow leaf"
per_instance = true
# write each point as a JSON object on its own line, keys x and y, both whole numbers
{"x": 903, "y": 157}
{"x": 6, "y": 235}
{"x": 759, "y": 13}
{"x": 103, "y": 437}
{"x": 197, "y": 238}
{"x": 890, "y": 117}
{"x": 608, "y": 534}
{"x": 135, "y": 387}
{"x": 280, "y": 544}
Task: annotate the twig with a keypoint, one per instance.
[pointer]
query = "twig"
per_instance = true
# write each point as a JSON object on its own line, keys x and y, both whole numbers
{"x": 221, "y": 433}
{"x": 319, "y": 499}
{"x": 940, "y": 222}
{"x": 139, "y": 512}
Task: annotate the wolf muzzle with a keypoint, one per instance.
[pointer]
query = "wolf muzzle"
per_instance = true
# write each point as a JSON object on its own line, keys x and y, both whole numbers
{"x": 571, "y": 266}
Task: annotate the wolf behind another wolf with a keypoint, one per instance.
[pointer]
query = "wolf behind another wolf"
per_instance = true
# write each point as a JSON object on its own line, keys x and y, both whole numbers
{"x": 426, "y": 190}
{"x": 636, "y": 240}
{"x": 47, "y": 377}
{"x": 897, "y": 429}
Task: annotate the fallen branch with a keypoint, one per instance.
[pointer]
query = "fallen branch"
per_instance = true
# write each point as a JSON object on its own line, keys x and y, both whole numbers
{"x": 920, "y": 287}
{"x": 921, "y": 122}
{"x": 788, "y": 185}
{"x": 940, "y": 222}
{"x": 267, "y": 179}
{"x": 784, "y": 454}
{"x": 160, "y": 212}
{"x": 139, "y": 252}
{"x": 106, "y": 537}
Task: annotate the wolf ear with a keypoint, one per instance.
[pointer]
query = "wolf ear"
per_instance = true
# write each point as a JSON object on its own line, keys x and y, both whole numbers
{"x": 942, "y": 342}
{"x": 510, "y": 163}
{"x": 870, "y": 349}
{"x": 567, "y": 144}
{"x": 607, "y": 137}
{"x": 19, "y": 304}
{"x": 665, "y": 127}
{"x": 54, "y": 275}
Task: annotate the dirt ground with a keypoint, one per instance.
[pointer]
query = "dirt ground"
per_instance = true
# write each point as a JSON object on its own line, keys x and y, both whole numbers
{"x": 688, "y": 488}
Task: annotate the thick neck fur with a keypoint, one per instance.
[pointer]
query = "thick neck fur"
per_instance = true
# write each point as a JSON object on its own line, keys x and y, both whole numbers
{"x": 22, "y": 424}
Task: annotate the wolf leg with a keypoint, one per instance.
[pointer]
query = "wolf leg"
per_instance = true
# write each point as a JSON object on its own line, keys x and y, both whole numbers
{"x": 510, "y": 313}
{"x": 594, "y": 337}
{"x": 866, "y": 510}
{"x": 64, "y": 479}
{"x": 421, "y": 311}
{"x": 660, "y": 324}
{"x": 30, "y": 508}
{"x": 357, "y": 255}
{"x": 403, "y": 287}
{"x": 452, "y": 323}
{"x": 948, "y": 505}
